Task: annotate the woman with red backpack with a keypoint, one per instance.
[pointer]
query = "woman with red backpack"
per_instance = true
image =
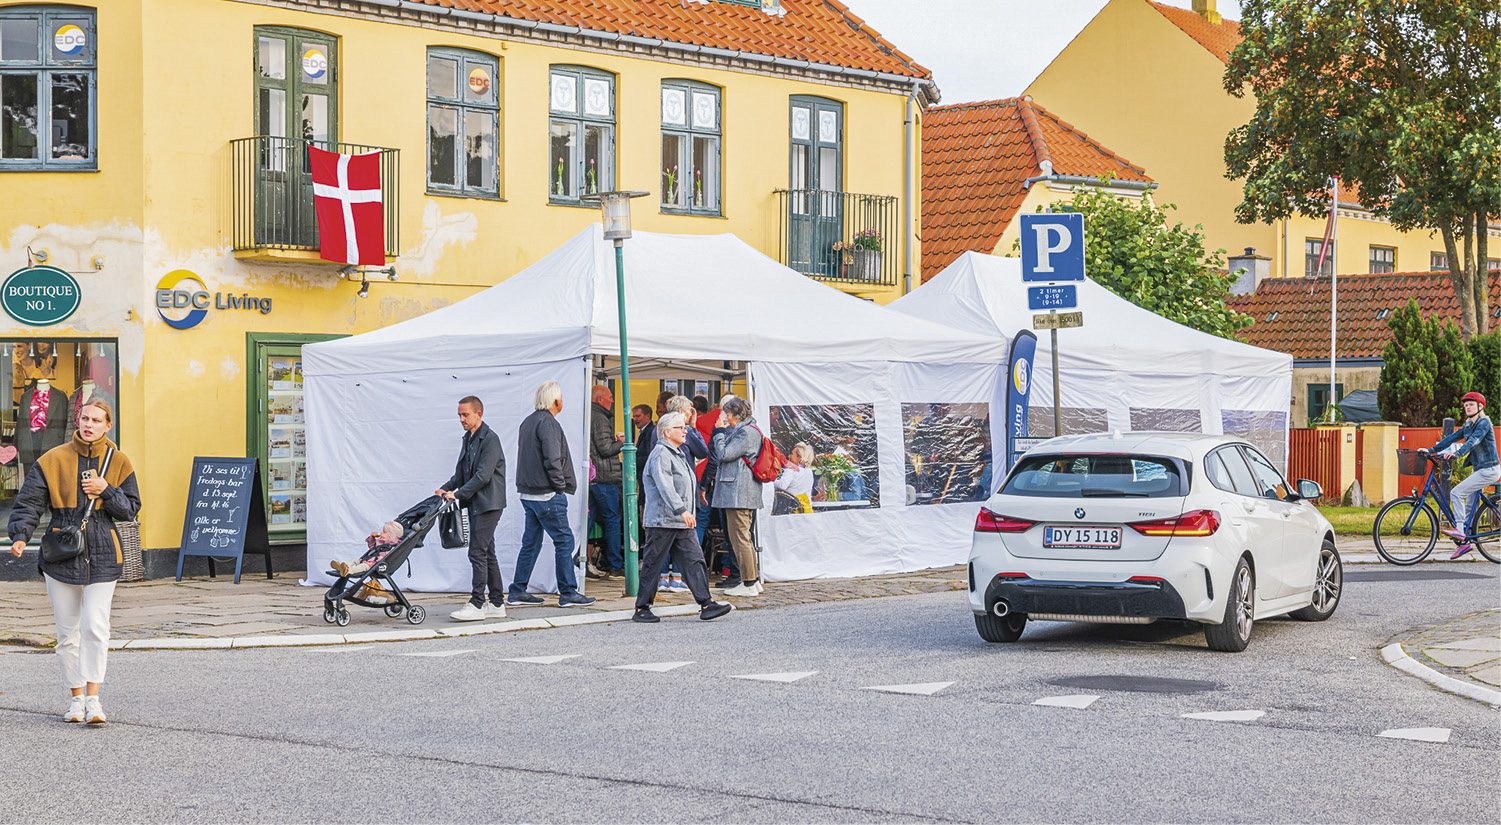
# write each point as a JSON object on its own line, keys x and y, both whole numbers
{"x": 737, "y": 493}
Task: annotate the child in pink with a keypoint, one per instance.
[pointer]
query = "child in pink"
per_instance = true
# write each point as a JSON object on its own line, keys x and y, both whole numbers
{"x": 378, "y": 546}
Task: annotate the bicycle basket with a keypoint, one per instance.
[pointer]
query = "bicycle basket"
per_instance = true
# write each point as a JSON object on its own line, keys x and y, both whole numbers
{"x": 1411, "y": 463}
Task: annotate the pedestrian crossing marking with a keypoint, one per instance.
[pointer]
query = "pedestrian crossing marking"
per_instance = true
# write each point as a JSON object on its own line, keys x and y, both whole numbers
{"x": 1417, "y": 734}
{"x": 438, "y": 654}
{"x": 777, "y": 677}
{"x": 653, "y": 667}
{"x": 923, "y": 689}
{"x": 543, "y": 660}
{"x": 1078, "y": 701}
{"x": 1227, "y": 715}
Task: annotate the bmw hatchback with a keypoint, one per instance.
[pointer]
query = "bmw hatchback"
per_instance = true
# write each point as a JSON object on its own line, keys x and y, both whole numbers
{"x": 1134, "y": 527}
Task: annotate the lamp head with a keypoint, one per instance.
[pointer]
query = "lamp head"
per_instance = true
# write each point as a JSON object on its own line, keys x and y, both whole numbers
{"x": 615, "y": 209}
{"x": 364, "y": 288}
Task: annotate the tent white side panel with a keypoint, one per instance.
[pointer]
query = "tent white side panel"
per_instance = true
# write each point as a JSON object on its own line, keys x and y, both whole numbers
{"x": 379, "y": 443}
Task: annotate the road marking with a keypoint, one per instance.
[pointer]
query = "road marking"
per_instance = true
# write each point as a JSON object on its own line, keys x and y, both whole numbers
{"x": 777, "y": 677}
{"x": 1227, "y": 715}
{"x": 653, "y": 667}
{"x": 923, "y": 689}
{"x": 340, "y": 649}
{"x": 1078, "y": 702}
{"x": 437, "y": 654}
{"x": 544, "y": 660}
{"x": 1417, "y": 734}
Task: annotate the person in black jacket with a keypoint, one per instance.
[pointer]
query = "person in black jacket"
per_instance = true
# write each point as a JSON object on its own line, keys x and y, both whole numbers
{"x": 80, "y": 589}
{"x": 479, "y": 483}
{"x": 544, "y": 478}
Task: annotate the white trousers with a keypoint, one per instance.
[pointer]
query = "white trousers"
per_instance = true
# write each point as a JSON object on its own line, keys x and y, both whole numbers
{"x": 82, "y": 615}
{"x": 1459, "y": 494}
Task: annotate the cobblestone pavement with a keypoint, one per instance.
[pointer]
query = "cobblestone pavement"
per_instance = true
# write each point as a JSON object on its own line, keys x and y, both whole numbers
{"x": 206, "y": 608}
{"x": 1467, "y": 648}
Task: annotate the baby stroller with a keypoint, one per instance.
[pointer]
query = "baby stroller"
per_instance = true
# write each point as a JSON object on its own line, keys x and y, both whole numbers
{"x": 376, "y": 587}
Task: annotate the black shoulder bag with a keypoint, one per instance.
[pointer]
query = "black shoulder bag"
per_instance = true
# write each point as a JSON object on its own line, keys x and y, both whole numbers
{"x": 61, "y": 544}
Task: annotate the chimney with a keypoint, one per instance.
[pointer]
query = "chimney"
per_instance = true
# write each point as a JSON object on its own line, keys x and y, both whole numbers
{"x": 1205, "y": 8}
{"x": 1249, "y": 269}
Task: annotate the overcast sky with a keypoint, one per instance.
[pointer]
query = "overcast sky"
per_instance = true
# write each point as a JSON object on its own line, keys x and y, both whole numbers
{"x": 987, "y": 49}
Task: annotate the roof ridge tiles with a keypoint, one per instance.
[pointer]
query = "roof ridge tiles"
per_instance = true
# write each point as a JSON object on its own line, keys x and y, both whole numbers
{"x": 1082, "y": 135}
{"x": 1040, "y": 153}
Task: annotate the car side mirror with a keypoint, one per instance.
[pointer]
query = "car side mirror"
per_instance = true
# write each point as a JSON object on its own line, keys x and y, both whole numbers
{"x": 1309, "y": 489}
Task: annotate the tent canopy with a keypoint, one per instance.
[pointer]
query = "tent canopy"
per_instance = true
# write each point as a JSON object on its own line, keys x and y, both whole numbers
{"x": 688, "y": 297}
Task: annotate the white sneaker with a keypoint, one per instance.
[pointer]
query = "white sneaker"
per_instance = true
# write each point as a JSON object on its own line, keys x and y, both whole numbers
{"x": 93, "y": 712}
{"x": 468, "y": 613}
{"x": 495, "y": 611}
{"x": 742, "y": 590}
{"x": 758, "y": 587}
{"x": 74, "y": 713}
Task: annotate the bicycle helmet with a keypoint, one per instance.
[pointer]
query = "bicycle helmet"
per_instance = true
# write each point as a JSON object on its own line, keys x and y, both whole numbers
{"x": 1473, "y": 396}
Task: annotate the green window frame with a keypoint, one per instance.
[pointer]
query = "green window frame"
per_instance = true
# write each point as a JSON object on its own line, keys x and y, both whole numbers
{"x": 48, "y": 89}
{"x": 581, "y": 134}
{"x": 1318, "y": 398}
{"x": 264, "y": 389}
{"x": 692, "y": 131}
{"x": 463, "y": 123}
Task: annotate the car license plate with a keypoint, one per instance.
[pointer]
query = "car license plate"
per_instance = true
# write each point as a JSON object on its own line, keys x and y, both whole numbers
{"x": 1084, "y": 537}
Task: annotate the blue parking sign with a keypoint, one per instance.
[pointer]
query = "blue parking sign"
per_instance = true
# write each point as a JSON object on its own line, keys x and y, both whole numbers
{"x": 1053, "y": 247}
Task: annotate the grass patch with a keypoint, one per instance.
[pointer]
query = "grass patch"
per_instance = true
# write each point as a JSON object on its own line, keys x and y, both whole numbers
{"x": 1351, "y": 521}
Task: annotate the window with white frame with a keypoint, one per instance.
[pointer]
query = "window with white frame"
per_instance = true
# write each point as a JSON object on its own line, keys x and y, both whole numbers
{"x": 690, "y": 147}
{"x": 1438, "y": 262}
{"x": 1311, "y": 249}
{"x": 463, "y": 121}
{"x": 581, "y": 133}
{"x": 47, "y": 88}
{"x": 1383, "y": 260}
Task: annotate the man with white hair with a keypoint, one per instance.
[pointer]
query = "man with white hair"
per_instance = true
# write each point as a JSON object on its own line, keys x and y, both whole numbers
{"x": 544, "y": 478}
{"x": 669, "y": 489}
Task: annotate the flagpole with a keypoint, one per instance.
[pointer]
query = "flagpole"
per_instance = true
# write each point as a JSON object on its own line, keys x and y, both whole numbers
{"x": 1333, "y": 291}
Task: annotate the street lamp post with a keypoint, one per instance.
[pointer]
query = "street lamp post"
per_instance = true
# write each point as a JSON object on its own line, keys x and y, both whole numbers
{"x": 616, "y": 208}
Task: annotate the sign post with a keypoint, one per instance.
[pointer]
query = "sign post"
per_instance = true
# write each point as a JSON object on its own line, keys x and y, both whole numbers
{"x": 1053, "y": 251}
{"x": 226, "y": 513}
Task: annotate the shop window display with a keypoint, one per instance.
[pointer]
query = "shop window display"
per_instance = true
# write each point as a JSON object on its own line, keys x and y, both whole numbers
{"x": 50, "y": 382}
{"x": 843, "y": 440}
{"x": 948, "y": 449}
{"x": 286, "y": 442}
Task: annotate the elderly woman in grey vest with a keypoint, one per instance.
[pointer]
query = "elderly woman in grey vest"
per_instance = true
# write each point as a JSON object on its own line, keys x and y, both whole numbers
{"x": 736, "y": 491}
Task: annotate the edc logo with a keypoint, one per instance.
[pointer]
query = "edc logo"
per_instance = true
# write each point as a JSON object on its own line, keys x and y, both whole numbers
{"x": 175, "y": 291}
{"x": 1020, "y": 376}
{"x": 69, "y": 40}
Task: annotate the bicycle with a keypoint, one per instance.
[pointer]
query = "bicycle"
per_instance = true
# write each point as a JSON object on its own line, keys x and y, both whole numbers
{"x": 1406, "y": 529}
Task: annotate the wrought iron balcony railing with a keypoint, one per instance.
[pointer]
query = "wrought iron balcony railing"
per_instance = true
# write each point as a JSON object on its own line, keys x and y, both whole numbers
{"x": 840, "y": 236}
{"x": 272, "y": 193}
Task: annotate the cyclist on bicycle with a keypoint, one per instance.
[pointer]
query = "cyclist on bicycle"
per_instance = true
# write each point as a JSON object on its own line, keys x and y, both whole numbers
{"x": 1478, "y": 438}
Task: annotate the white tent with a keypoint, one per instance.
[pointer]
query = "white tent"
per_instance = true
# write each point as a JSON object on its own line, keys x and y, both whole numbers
{"x": 1126, "y": 368}
{"x": 382, "y": 431}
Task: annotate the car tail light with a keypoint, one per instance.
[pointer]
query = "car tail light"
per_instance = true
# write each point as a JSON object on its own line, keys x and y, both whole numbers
{"x": 1146, "y": 579}
{"x": 988, "y": 522}
{"x": 1193, "y": 523}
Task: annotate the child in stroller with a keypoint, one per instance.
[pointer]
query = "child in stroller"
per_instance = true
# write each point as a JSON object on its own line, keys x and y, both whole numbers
{"x": 369, "y": 580}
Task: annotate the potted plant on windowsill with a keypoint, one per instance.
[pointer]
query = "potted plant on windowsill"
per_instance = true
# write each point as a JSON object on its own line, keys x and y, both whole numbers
{"x": 867, "y": 248}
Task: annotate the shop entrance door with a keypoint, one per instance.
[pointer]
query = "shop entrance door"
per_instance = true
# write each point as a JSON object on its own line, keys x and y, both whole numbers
{"x": 277, "y": 430}
{"x": 296, "y": 105}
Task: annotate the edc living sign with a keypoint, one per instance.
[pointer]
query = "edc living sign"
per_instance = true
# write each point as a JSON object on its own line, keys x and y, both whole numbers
{"x": 40, "y": 296}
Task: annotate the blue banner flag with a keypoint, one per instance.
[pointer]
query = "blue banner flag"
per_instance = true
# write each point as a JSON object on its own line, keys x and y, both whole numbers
{"x": 1018, "y": 391}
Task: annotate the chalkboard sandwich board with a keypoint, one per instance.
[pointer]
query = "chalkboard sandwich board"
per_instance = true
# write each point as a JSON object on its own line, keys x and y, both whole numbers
{"x": 226, "y": 513}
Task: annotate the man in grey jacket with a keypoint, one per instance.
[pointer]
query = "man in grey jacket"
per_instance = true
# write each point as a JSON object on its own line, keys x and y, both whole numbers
{"x": 669, "y": 486}
{"x": 479, "y": 484}
{"x": 544, "y": 480}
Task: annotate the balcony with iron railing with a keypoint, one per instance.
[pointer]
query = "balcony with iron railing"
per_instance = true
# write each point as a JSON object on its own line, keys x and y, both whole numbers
{"x": 840, "y": 237}
{"x": 271, "y": 190}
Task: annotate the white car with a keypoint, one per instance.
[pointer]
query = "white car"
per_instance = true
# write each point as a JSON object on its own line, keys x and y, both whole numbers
{"x": 1134, "y": 527}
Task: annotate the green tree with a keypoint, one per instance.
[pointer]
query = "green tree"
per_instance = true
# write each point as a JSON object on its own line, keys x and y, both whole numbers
{"x": 1485, "y": 354}
{"x": 1457, "y": 375}
{"x": 1405, "y": 392}
{"x": 1401, "y": 99}
{"x": 1130, "y": 249}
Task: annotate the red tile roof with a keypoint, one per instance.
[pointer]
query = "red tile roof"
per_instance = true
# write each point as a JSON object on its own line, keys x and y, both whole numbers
{"x": 976, "y": 160}
{"x": 820, "y": 31}
{"x": 1220, "y": 39}
{"x": 1292, "y": 314}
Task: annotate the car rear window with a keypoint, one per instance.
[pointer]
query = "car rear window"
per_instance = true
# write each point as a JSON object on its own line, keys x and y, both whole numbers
{"x": 1094, "y": 476}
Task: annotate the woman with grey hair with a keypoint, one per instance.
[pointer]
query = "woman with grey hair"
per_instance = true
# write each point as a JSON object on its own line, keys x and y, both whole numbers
{"x": 736, "y": 491}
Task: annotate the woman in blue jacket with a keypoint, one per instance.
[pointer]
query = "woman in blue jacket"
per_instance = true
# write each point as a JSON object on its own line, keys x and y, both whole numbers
{"x": 1478, "y": 438}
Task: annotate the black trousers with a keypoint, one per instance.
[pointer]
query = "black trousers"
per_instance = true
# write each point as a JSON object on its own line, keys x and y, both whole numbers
{"x": 482, "y": 559}
{"x": 682, "y": 544}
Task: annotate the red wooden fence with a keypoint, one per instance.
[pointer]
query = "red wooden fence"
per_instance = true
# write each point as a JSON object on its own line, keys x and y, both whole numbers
{"x": 1314, "y": 454}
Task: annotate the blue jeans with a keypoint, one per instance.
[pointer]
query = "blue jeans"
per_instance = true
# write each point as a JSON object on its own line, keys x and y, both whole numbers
{"x": 604, "y": 510}
{"x": 551, "y": 516}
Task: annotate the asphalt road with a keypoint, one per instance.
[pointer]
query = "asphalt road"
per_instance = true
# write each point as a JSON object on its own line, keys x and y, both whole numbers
{"x": 376, "y": 733}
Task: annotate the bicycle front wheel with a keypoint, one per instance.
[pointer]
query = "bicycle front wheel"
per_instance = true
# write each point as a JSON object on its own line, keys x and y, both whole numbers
{"x": 1488, "y": 520}
{"x": 1405, "y": 531}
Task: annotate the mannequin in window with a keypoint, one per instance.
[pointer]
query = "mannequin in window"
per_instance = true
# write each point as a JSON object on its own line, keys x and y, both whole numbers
{"x": 41, "y": 421}
{"x": 88, "y": 392}
{"x": 37, "y": 362}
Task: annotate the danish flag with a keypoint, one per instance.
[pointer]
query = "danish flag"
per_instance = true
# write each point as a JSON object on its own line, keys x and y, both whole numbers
{"x": 346, "y": 198}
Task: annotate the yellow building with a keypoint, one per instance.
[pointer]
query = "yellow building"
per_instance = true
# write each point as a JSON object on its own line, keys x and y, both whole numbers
{"x": 1146, "y": 79}
{"x": 154, "y": 173}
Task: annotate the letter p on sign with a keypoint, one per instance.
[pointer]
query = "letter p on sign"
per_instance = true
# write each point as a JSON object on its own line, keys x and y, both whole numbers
{"x": 1053, "y": 247}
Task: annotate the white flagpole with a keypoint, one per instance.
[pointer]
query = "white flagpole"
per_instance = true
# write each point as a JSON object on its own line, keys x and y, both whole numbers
{"x": 1333, "y": 291}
